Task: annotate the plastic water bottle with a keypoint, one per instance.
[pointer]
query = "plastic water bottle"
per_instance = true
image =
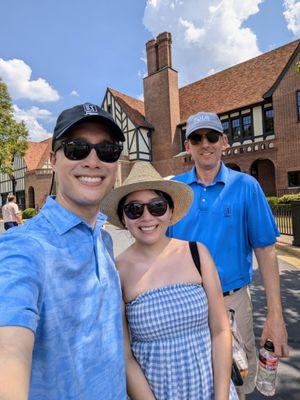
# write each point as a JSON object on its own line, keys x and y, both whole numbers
{"x": 267, "y": 369}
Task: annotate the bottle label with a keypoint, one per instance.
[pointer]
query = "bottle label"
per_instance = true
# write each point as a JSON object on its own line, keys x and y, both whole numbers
{"x": 268, "y": 363}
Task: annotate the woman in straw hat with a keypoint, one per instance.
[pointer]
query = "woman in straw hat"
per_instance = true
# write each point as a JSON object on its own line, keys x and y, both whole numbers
{"x": 180, "y": 336}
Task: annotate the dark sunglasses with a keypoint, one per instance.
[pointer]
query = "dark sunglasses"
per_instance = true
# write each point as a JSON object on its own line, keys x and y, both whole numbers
{"x": 212, "y": 137}
{"x": 78, "y": 149}
{"x": 135, "y": 210}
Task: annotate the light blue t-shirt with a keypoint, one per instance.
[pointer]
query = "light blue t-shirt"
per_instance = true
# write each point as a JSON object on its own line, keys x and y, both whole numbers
{"x": 231, "y": 217}
{"x": 58, "y": 279}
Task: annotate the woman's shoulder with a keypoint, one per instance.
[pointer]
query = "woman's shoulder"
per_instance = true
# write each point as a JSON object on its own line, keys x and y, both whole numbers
{"x": 123, "y": 259}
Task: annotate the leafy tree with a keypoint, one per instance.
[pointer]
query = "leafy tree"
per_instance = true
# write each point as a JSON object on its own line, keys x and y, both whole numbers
{"x": 13, "y": 135}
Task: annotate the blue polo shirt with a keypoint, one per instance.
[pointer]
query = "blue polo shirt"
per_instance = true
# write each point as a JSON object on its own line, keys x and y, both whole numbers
{"x": 58, "y": 279}
{"x": 231, "y": 217}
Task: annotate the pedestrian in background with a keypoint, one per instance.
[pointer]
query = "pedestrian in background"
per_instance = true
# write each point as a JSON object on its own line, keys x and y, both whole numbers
{"x": 11, "y": 214}
{"x": 179, "y": 330}
{"x": 231, "y": 216}
{"x": 60, "y": 296}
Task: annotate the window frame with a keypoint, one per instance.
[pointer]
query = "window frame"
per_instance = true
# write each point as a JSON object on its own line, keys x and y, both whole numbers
{"x": 293, "y": 172}
{"x": 265, "y": 110}
{"x": 298, "y": 104}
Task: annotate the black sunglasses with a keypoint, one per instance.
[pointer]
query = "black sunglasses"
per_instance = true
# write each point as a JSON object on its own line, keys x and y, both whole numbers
{"x": 212, "y": 137}
{"x": 78, "y": 149}
{"x": 135, "y": 210}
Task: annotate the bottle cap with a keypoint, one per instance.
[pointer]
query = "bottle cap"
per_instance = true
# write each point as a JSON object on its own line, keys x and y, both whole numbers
{"x": 269, "y": 345}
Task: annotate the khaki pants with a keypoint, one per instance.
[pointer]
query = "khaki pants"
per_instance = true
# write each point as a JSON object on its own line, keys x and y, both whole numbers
{"x": 240, "y": 302}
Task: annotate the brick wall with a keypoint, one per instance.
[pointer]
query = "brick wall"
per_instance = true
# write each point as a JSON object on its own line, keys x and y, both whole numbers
{"x": 162, "y": 111}
{"x": 287, "y": 127}
{"x": 41, "y": 184}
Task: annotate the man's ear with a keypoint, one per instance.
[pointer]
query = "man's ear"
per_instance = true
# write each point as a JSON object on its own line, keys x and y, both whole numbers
{"x": 53, "y": 159}
{"x": 187, "y": 146}
{"x": 225, "y": 143}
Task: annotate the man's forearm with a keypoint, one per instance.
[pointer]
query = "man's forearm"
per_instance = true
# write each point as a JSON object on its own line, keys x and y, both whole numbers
{"x": 274, "y": 326}
{"x": 268, "y": 265}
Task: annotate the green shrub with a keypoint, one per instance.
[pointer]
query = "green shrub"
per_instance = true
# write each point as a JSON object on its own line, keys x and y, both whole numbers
{"x": 288, "y": 198}
{"x": 28, "y": 213}
{"x": 272, "y": 200}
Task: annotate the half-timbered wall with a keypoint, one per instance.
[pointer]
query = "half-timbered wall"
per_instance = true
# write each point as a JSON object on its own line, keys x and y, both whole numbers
{"x": 137, "y": 145}
{"x": 6, "y": 186}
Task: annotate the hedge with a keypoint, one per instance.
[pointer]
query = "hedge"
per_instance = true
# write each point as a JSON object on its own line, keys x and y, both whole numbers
{"x": 28, "y": 213}
{"x": 285, "y": 199}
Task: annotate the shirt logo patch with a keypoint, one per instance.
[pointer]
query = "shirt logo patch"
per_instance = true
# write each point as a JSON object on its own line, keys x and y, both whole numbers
{"x": 227, "y": 211}
{"x": 90, "y": 109}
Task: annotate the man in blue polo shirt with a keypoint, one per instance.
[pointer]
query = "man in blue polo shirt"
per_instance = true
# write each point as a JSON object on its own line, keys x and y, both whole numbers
{"x": 231, "y": 216}
{"x": 60, "y": 298}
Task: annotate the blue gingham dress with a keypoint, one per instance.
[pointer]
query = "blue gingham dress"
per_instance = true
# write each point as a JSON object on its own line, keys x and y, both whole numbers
{"x": 171, "y": 341}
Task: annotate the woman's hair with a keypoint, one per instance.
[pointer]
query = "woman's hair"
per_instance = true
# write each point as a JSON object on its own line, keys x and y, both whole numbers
{"x": 164, "y": 195}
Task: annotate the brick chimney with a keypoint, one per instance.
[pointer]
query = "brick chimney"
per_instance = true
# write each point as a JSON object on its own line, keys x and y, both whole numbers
{"x": 161, "y": 98}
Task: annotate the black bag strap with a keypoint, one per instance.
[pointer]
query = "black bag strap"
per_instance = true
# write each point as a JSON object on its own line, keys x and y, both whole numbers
{"x": 195, "y": 255}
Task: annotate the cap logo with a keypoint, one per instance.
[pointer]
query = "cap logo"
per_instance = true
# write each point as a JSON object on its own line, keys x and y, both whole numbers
{"x": 202, "y": 118}
{"x": 90, "y": 109}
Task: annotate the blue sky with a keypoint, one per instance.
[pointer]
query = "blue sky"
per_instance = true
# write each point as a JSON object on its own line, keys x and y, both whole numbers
{"x": 55, "y": 54}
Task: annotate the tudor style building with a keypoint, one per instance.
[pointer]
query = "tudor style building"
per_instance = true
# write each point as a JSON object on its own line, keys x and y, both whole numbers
{"x": 32, "y": 176}
{"x": 258, "y": 102}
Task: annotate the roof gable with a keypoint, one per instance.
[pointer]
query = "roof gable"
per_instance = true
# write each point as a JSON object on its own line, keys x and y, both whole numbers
{"x": 239, "y": 86}
{"x": 132, "y": 107}
{"x": 37, "y": 154}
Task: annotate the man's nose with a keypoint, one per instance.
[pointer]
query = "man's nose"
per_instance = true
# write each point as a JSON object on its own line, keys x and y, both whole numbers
{"x": 204, "y": 140}
{"x": 92, "y": 160}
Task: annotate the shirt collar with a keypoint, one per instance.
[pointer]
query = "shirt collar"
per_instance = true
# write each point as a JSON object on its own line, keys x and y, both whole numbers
{"x": 63, "y": 219}
{"x": 191, "y": 176}
{"x": 222, "y": 175}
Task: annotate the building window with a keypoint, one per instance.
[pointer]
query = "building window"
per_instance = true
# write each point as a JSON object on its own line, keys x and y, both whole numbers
{"x": 225, "y": 125}
{"x": 294, "y": 179}
{"x": 182, "y": 138}
{"x": 298, "y": 103}
{"x": 268, "y": 120}
{"x": 247, "y": 125}
{"x": 109, "y": 108}
{"x": 236, "y": 128}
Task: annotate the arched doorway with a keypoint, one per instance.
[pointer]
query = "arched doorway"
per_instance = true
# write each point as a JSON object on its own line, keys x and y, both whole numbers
{"x": 233, "y": 166}
{"x": 264, "y": 172}
{"x": 31, "y": 199}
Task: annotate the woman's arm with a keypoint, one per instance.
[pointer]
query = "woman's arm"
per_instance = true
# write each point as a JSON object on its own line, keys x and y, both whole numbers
{"x": 219, "y": 326}
{"x": 137, "y": 385}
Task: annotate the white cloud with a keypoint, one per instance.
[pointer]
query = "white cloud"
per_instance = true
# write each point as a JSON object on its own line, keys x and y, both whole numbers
{"x": 292, "y": 16}
{"x": 74, "y": 93}
{"x": 17, "y": 75}
{"x": 30, "y": 118}
{"x": 140, "y": 96}
{"x": 207, "y": 35}
{"x": 192, "y": 33}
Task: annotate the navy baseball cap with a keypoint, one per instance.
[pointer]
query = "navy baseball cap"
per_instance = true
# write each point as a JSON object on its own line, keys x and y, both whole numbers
{"x": 203, "y": 120}
{"x": 85, "y": 112}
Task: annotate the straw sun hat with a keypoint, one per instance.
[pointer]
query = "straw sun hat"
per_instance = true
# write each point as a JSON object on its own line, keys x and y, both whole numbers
{"x": 144, "y": 177}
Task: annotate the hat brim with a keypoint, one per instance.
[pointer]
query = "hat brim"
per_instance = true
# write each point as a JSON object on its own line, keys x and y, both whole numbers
{"x": 115, "y": 130}
{"x": 204, "y": 127}
{"x": 181, "y": 194}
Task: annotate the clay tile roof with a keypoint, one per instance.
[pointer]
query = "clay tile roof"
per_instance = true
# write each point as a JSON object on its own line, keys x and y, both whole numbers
{"x": 235, "y": 87}
{"x": 37, "y": 154}
{"x": 132, "y": 107}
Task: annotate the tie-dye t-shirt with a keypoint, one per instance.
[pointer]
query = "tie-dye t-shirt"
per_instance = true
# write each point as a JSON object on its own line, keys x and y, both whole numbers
{"x": 58, "y": 279}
